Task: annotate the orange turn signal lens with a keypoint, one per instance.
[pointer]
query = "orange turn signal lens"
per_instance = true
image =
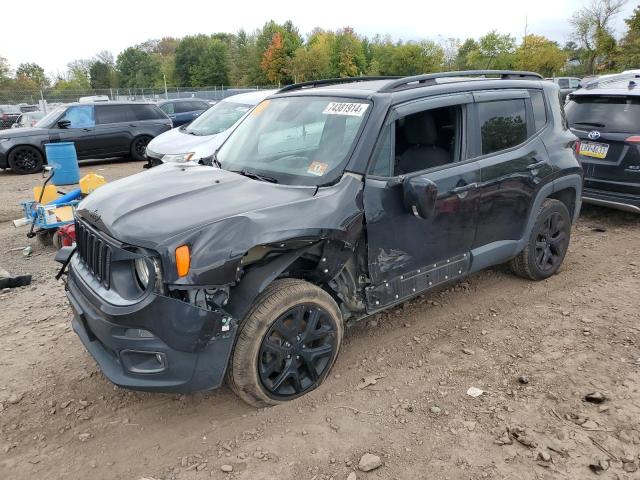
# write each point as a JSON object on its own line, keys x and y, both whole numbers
{"x": 183, "y": 260}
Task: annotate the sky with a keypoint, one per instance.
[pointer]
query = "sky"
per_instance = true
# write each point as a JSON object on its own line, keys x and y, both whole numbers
{"x": 53, "y": 33}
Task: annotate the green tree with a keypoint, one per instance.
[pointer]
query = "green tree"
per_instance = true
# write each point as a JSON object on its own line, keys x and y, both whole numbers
{"x": 592, "y": 31}
{"x": 188, "y": 55}
{"x": 212, "y": 68}
{"x": 32, "y": 72}
{"x": 347, "y": 54}
{"x": 462, "y": 61}
{"x": 494, "y": 51}
{"x": 414, "y": 58}
{"x": 138, "y": 68}
{"x": 539, "y": 54}
{"x": 313, "y": 61}
{"x": 629, "y": 54}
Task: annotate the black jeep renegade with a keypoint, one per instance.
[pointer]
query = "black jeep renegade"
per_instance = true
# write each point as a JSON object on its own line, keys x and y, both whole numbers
{"x": 332, "y": 200}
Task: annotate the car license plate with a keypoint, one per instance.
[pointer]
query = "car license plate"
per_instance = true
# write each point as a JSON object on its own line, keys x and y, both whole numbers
{"x": 595, "y": 150}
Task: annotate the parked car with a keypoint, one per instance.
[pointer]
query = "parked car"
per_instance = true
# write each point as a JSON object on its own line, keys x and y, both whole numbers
{"x": 332, "y": 200}
{"x": 183, "y": 110}
{"x": 98, "y": 130}
{"x": 94, "y": 99}
{"x": 199, "y": 140}
{"x": 8, "y": 115}
{"x": 26, "y": 108}
{"x": 606, "y": 118}
{"x": 566, "y": 84}
{"x": 28, "y": 119}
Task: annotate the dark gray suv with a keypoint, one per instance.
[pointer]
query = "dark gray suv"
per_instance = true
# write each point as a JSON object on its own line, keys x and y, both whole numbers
{"x": 100, "y": 130}
{"x": 330, "y": 201}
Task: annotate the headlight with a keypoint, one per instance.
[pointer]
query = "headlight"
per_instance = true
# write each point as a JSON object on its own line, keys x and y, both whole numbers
{"x": 178, "y": 158}
{"x": 142, "y": 272}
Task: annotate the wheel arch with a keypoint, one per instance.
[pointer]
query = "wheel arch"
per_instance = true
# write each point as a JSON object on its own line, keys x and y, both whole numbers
{"x": 36, "y": 147}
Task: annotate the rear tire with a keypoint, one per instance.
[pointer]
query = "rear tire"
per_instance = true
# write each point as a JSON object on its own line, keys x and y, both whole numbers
{"x": 139, "y": 146}
{"x": 25, "y": 159}
{"x": 548, "y": 243}
{"x": 287, "y": 344}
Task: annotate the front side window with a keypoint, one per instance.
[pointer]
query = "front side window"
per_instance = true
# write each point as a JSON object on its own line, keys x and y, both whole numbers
{"x": 183, "y": 107}
{"x": 575, "y": 83}
{"x": 503, "y": 124}
{"x": 80, "y": 116}
{"x": 563, "y": 83}
{"x": 295, "y": 140}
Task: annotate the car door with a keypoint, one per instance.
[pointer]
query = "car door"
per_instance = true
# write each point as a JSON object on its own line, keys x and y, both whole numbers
{"x": 513, "y": 160}
{"x": 113, "y": 126}
{"x": 80, "y": 131}
{"x": 408, "y": 254}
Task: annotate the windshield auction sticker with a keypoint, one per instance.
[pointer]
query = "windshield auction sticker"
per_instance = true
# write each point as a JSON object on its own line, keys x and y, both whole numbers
{"x": 351, "y": 109}
{"x": 317, "y": 168}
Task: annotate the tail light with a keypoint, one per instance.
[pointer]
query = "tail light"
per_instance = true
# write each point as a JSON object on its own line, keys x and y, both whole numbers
{"x": 576, "y": 147}
{"x": 5, "y": 116}
{"x": 633, "y": 139}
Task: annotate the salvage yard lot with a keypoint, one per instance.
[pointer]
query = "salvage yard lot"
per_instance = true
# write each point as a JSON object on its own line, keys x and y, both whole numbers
{"x": 574, "y": 334}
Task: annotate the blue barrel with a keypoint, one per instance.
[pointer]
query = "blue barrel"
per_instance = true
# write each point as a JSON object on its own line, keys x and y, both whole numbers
{"x": 62, "y": 157}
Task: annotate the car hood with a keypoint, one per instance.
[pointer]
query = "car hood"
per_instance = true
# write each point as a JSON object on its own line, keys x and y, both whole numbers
{"x": 23, "y": 132}
{"x": 177, "y": 141}
{"x": 220, "y": 214}
{"x": 151, "y": 207}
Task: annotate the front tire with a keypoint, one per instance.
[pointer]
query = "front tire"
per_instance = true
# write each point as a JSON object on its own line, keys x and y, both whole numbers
{"x": 25, "y": 159}
{"x": 547, "y": 244}
{"x": 287, "y": 344}
{"x": 139, "y": 146}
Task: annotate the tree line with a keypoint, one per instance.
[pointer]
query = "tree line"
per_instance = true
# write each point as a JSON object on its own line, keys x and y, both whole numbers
{"x": 277, "y": 54}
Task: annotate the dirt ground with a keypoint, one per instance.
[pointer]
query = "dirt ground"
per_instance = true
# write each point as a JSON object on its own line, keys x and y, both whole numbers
{"x": 535, "y": 349}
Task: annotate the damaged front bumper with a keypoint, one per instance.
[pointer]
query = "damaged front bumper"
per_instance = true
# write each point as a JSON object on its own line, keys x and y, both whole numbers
{"x": 159, "y": 344}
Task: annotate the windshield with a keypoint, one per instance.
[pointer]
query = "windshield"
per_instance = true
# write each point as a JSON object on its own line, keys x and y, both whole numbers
{"x": 295, "y": 140}
{"x": 218, "y": 118}
{"x": 49, "y": 118}
{"x": 606, "y": 113}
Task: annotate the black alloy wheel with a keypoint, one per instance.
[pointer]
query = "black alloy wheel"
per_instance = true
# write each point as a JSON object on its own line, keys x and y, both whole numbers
{"x": 139, "y": 147}
{"x": 547, "y": 243}
{"x": 551, "y": 243}
{"x": 297, "y": 350}
{"x": 25, "y": 159}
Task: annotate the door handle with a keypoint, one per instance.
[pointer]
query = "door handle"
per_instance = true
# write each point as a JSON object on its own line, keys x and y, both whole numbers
{"x": 535, "y": 166}
{"x": 464, "y": 189}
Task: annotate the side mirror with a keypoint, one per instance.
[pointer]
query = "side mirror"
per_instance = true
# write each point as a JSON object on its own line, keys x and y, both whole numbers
{"x": 64, "y": 123}
{"x": 420, "y": 195}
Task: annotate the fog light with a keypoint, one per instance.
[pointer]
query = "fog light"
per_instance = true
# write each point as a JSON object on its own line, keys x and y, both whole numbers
{"x": 143, "y": 362}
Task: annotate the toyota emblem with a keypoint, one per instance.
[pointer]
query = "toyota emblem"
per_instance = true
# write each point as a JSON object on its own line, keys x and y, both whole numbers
{"x": 594, "y": 135}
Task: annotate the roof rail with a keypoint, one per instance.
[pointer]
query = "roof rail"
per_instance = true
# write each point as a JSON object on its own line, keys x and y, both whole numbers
{"x": 609, "y": 79}
{"x": 330, "y": 81}
{"x": 430, "y": 78}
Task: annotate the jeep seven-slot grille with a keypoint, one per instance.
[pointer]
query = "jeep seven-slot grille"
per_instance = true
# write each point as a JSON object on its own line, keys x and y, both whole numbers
{"x": 94, "y": 253}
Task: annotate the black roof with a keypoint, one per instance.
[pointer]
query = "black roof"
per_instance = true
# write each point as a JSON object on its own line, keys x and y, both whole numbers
{"x": 406, "y": 88}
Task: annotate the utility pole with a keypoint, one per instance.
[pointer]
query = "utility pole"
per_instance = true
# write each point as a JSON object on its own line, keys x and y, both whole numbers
{"x": 166, "y": 95}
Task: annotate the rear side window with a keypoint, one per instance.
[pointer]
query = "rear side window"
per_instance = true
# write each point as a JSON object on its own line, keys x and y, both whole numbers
{"x": 575, "y": 83}
{"x": 539, "y": 109}
{"x": 563, "y": 83}
{"x": 112, "y": 114}
{"x": 605, "y": 113}
{"x": 503, "y": 124}
{"x": 146, "y": 112}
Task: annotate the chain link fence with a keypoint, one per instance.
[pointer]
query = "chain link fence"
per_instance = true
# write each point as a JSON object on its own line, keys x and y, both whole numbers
{"x": 48, "y": 98}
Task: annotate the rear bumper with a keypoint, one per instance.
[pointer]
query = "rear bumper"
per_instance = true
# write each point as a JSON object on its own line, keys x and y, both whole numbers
{"x": 189, "y": 349}
{"x": 629, "y": 203}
